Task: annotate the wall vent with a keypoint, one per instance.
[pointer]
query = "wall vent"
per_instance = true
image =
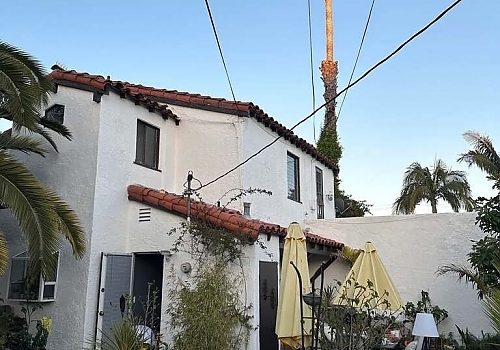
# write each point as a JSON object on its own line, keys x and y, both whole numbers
{"x": 144, "y": 214}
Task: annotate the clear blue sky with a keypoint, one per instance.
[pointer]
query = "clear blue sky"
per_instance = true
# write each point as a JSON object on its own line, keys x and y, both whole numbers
{"x": 414, "y": 108}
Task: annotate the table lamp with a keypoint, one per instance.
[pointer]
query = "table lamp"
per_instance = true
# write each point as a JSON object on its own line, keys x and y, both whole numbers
{"x": 424, "y": 327}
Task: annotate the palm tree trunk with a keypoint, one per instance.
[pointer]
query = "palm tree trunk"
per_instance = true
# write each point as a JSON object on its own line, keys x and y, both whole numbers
{"x": 434, "y": 207}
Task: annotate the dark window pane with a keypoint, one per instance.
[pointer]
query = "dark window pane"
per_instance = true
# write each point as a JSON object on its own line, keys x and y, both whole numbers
{"x": 292, "y": 167}
{"x": 51, "y": 277}
{"x": 147, "y": 146}
{"x": 49, "y": 292}
{"x": 55, "y": 114}
{"x": 150, "y": 156}
{"x": 141, "y": 142}
{"x": 319, "y": 194}
{"x": 18, "y": 270}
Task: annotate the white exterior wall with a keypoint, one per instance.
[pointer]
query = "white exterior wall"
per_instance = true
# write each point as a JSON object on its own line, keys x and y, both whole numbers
{"x": 115, "y": 171}
{"x": 268, "y": 171}
{"x": 71, "y": 173}
{"x": 207, "y": 143}
{"x": 412, "y": 248}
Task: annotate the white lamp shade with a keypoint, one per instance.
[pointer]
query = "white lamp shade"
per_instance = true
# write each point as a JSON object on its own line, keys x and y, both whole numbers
{"x": 425, "y": 326}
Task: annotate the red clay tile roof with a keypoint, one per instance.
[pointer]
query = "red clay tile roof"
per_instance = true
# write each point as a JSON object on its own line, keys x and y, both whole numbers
{"x": 231, "y": 220}
{"x": 150, "y": 96}
{"x": 101, "y": 84}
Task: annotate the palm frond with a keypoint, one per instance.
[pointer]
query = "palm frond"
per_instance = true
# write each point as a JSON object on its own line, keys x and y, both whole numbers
{"x": 349, "y": 254}
{"x": 61, "y": 129}
{"x": 4, "y": 254}
{"x": 24, "y": 84}
{"x": 40, "y": 131}
{"x": 483, "y": 155}
{"x": 464, "y": 273}
{"x": 23, "y": 144}
{"x": 492, "y": 309}
{"x": 69, "y": 224}
{"x": 28, "y": 201}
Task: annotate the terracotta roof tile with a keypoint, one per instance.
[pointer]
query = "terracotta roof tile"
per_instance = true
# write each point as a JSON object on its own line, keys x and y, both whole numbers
{"x": 124, "y": 89}
{"x": 228, "y": 219}
{"x": 140, "y": 93}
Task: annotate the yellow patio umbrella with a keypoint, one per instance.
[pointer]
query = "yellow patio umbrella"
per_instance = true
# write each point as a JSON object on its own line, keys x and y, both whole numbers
{"x": 288, "y": 323}
{"x": 369, "y": 266}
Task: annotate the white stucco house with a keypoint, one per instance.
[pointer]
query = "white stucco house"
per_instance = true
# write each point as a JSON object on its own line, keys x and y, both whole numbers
{"x": 123, "y": 173}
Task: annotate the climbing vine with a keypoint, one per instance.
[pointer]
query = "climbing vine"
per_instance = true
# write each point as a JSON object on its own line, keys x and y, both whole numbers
{"x": 210, "y": 310}
{"x": 329, "y": 144}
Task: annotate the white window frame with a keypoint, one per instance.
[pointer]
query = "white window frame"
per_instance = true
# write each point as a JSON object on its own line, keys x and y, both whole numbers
{"x": 23, "y": 256}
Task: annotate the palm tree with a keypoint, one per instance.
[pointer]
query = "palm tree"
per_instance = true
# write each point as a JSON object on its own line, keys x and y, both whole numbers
{"x": 483, "y": 155}
{"x": 41, "y": 214}
{"x": 439, "y": 183}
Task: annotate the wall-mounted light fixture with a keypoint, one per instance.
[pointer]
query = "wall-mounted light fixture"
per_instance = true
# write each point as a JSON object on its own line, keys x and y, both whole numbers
{"x": 329, "y": 196}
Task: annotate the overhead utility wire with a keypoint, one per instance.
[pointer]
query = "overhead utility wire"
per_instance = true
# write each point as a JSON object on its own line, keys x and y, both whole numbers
{"x": 449, "y": 8}
{"x": 357, "y": 56}
{"x": 312, "y": 68}
{"x": 220, "y": 49}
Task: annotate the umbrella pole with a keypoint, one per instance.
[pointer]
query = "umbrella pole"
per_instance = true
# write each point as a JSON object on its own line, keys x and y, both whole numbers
{"x": 320, "y": 302}
{"x": 312, "y": 318}
{"x": 301, "y": 304}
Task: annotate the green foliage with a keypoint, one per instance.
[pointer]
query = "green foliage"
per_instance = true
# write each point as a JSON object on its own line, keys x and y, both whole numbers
{"x": 483, "y": 273}
{"x": 360, "y": 322}
{"x": 209, "y": 311}
{"x": 352, "y": 207}
{"x": 471, "y": 342}
{"x": 41, "y": 214}
{"x": 209, "y": 314}
{"x": 424, "y": 305}
{"x": 127, "y": 334}
{"x": 482, "y": 155}
{"x": 329, "y": 145}
{"x": 488, "y": 216}
{"x": 14, "y": 330}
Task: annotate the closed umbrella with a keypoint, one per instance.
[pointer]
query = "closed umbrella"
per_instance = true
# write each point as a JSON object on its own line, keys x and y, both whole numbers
{"x": 288, "y": 323}
{"x": 369, "y": 266}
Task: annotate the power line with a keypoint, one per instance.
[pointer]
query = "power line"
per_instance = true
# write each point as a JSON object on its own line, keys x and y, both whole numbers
{"x": 385, "y": 59}
{"x": 312, "y": 68}
{"x": 357, "y": 56}
{"x": 220, "y": 49}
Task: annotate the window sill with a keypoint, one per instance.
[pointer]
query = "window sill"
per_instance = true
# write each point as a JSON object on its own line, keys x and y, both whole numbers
{"x": 147, "y": 166}
{"x": 33, "y": 301}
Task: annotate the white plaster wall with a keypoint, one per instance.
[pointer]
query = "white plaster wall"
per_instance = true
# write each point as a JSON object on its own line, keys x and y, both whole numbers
{"x": 71, "y": 173}
{"x": 209, "y": 144}
{"x": 412, "y": 248}
{"x": 115, "y": 171}
{"x": 268, "y": 171}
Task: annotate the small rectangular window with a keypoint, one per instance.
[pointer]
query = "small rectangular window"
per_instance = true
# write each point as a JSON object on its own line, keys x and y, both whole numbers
{"x": 39, "y": 289}
{"x": 246, "y": 209}
{"x": 319, "y": 194}
{"x": 147, "y": 145}
{"x": 293, "y": 180}
{"x": 55, "y": 114}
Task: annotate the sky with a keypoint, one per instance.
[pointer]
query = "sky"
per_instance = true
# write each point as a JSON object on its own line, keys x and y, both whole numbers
{"x": 413, "y": 108}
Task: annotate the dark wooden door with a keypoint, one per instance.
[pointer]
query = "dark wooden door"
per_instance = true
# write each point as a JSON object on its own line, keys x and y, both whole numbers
{"x": 268, "y": 295}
